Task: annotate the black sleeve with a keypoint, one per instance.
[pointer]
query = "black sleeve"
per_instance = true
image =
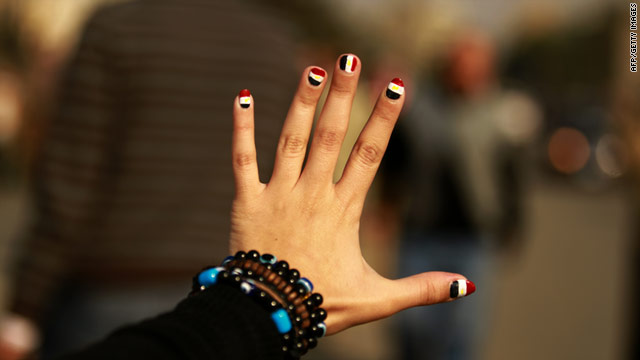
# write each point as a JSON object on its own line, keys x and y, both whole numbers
{"x": 218, "y": 323}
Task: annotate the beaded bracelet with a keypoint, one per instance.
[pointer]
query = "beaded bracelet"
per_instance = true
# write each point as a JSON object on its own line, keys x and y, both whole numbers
{"x": 296, "y": 311}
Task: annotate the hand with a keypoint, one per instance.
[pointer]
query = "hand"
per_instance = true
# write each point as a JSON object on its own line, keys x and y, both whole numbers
{"x": 303, "y": 217}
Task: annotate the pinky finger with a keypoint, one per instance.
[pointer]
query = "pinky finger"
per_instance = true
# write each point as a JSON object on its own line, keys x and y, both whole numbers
{"x": 243, "y": 148}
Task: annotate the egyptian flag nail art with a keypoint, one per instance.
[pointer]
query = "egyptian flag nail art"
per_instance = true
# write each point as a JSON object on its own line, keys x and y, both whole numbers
{"x": 460, "y": 288}
{"x": 348, "y": 63}
{"x": 316, "y": 76}
{"x": 395, "y": 89}
{"x": 245, "y": 98}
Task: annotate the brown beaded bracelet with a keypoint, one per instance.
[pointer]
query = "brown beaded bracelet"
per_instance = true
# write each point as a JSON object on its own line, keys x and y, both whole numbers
{"x": 294, "y": 296}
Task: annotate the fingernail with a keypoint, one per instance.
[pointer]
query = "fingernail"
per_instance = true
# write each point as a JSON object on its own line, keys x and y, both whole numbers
{"x": 395, "y": 89}
{"x": 460, "y": 288}
{"x": 348, "y": 63}
{"x": 245, "y": 98}
{"x": 316, "y": 76}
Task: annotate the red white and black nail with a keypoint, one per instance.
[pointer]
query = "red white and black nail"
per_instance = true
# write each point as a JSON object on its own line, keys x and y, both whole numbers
{"x": 461, "y": 288}
{"x": 348, "y": 63}
{"x": 395, "y": 89}
{"x": 245, "y": 98}
{"x": 316, "y": 76}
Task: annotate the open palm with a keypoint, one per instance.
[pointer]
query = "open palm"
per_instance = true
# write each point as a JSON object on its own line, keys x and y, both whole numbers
{"x": 303, "y": 217}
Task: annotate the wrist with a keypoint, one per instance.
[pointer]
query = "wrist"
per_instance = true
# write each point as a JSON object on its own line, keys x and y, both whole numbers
{"x": 281, "y": 291}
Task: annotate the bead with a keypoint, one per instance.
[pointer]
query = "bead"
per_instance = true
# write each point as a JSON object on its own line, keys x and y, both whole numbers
{"x": 287, "y": 337}
{"x": 287, "y": 289}
{"x": 237, "y": 279}
{"x": 209, "y": 277}
{"x": 317, "y": 330}
{"x": 247, "y": 288}
{"x": 294, "y": 274}
{"x": 224, "y": 276}
{"x": 294, "y": 354}
{"x": 291, "y": 307}
{"x": 236, "y": 271}
{"x": 249, "y": 273}
{"x": 300, "y": 289}
{"x": 321, "y": 314}
{"x": 282, "y": 265}
{"x": 301, "y": 333}
{"x": 227, "y": 259}
{"x": 268, "y": 259}
{"x": 273, "y": 305}
{"x": 298, "y": 319}
{"x": 317, "y": 299}
{"x": 309, "y": 303}
{"x": 241, "y": 255}
{"x": 323, "y": 329}
{"x": 318, "y": 315}
{"x": 260, "y": 279}
{"x": 304, "y": 348}
{"x": 312, "y": 342}
{"x": 253, "y": 255}
{"x": 306, "y": 283}
{"x": 282, "y": 321}
{"x": 269, "y": 266}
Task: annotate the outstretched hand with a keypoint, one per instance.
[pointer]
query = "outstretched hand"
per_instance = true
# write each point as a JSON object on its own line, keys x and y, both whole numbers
{"x": 303, "y": 217}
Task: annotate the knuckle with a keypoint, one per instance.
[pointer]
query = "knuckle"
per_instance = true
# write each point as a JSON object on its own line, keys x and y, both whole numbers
{"x": 341, "y": 89}
{"x": 386, "y": 115}
{"x": 428, "y": 293}
{"x": 307, "y": 100}
{"x": 329, "y": 138}
{"x": 244, "y": 159}
{"x": 293, "y": 145}
{"x": 368, "y": 153}
{"x": 243, "y": 127}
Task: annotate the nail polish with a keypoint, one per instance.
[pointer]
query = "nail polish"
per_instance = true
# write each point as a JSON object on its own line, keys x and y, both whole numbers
{"x": 461, "y": 288}
{"x": 348, "y": 63}
{"x": 395, "y": 89}
{"x": 316, "y": 76}
{"x": 245, "y": 98}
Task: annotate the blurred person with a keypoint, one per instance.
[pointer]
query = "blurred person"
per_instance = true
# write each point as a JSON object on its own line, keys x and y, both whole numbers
{"x": 135, "y": 161}
{"x": 451, "y": 176}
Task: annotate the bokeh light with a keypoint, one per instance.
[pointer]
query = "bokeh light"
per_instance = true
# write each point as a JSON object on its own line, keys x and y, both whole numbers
{"x": 568, "y": 150}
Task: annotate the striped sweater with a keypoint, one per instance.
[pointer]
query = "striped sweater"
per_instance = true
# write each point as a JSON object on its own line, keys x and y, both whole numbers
{"x": 135, "y": 178}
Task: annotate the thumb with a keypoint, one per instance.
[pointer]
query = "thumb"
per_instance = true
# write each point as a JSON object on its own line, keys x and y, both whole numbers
{"x": 429, "y": 288}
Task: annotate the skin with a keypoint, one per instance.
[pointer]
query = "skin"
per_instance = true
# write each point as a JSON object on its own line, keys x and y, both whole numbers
{"x": 303, "y": 217}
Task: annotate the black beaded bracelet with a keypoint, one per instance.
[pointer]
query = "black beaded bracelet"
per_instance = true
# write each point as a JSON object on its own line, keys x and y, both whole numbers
{"x": 296, "y": 311}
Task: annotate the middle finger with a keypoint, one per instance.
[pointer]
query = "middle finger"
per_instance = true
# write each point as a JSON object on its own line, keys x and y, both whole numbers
{"x": 333, "y": 122}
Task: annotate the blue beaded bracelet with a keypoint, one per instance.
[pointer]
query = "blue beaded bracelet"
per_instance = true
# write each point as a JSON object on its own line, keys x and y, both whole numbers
{"x": 297, "y": 315}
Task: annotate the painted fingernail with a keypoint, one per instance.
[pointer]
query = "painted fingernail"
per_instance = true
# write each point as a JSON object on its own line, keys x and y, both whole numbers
{"x": 461, "y": 288}
{"x": 316, "y": 76}
{"x": 395, "y": 89}
{"x": 245, "y": 98}
{"x": 348, "y": 63}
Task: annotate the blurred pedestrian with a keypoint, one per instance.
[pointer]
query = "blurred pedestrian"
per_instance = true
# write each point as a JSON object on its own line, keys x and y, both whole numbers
{"x": 452, "y": 171}
{"x": 133, "y": 187}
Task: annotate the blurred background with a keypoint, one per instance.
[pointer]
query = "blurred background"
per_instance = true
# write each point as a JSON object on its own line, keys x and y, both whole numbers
{"x": 516, "y": 162}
